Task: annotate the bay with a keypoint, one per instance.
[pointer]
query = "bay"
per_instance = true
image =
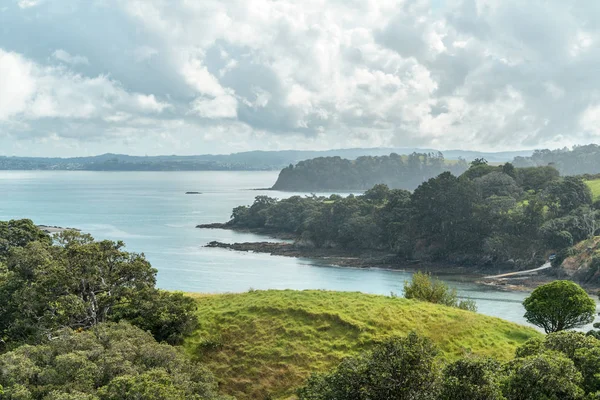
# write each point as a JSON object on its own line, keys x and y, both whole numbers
{"x": 151, "y": 213}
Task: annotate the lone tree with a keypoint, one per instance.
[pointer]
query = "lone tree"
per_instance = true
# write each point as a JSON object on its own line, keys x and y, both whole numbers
{"x": 559, "y": 305}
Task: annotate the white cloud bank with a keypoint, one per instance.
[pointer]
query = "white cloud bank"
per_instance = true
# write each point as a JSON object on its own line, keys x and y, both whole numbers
{"x": 484, "y": 74}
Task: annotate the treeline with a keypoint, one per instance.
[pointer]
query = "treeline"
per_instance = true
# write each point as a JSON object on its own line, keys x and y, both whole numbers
{"x": 395, "y": 171}
{"x": 579, "y": 160}
{"x": 490, "y": 214}
{"x": 562, "y": 366}
{"x": 81, "y": 319}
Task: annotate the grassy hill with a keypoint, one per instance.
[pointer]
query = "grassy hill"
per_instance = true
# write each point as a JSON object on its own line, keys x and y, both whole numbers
{"x": 268, "y": 342}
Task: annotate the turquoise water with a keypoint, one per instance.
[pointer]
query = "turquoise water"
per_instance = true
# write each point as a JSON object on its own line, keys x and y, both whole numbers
{"x": 151, "y": 213}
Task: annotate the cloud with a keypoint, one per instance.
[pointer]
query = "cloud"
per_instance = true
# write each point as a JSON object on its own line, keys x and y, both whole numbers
{"x": 28, "y": 3}
{"x": 65, "y": 57}
{"x": 224, "y": 106}
{"x": 483, "y": 74}
{"x": 30, "y": 92}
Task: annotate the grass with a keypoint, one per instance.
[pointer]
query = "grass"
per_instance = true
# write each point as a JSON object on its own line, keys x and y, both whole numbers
{"x": 594, "y": 185}
{"x": 266, "y": 343}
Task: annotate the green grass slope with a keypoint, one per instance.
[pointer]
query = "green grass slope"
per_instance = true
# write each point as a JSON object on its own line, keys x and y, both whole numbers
{"x": 268, "y": 342}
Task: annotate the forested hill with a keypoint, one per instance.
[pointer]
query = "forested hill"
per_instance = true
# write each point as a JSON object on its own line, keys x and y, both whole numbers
{"x": 490, "y": 215}
{"x": 576, "y": 161}
{"x": 244, "y": 161}
{"x": 395, "y": 171}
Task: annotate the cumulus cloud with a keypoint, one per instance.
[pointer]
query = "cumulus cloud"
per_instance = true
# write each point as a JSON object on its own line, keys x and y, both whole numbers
{"x": 483, "y": 74}
{"x": 30, "y": 92}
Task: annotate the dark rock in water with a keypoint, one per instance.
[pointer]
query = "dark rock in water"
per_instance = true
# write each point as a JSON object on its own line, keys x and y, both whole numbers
{"x": 216, "y": 225}
{"x": 193, "y": 193}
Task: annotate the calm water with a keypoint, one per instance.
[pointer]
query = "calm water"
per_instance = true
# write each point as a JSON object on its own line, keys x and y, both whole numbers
{"x": 152, "y": 214}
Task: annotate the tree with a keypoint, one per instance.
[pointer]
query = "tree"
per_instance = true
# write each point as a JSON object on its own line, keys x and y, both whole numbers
{"x": 472, "y": 379}
{"x": 79, "y": 283}
{"x": 108, "y": 362}
{"x": 399, "y": 368}
{"x": 559, "y": 305}
{"x": 568, "y": 194}
{"x": 548, "y": 376}
{"x": 423, "y": 287}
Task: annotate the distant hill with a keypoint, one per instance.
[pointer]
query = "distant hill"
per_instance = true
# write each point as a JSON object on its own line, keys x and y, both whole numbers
{"x": 265, "y": 343}
{"x": 340, "y": 174}
{"x": 244, "y": 161}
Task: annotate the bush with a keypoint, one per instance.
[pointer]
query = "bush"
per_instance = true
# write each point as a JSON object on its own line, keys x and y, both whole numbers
{"x": 399, "y": 368}
{"x": 425, "y": 288}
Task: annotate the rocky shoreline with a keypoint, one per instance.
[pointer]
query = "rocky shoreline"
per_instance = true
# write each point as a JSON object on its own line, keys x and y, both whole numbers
{"x": 375, "y": 259}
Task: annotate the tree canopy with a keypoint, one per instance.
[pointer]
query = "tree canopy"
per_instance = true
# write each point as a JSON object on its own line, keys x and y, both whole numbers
{"x": 559, "y": 305}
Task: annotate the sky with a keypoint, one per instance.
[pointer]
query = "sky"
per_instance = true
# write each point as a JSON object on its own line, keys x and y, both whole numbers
{"x": 85, "y": 77}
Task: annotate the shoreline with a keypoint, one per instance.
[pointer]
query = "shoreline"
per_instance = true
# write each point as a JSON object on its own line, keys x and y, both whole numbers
{"x": 376, "y": 259}
{"x": 383, "y": 261}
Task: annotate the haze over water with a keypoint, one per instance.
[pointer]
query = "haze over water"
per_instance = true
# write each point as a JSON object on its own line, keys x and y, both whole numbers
{"x": 151, "y": 213}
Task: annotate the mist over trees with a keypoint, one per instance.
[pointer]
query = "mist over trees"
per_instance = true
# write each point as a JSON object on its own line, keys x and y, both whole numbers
{"x": 576, "y": 161}
{"x": 395, "y": 171}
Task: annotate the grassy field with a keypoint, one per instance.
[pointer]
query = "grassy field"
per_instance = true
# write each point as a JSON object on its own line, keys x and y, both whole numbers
{"x": 268, "y": 342}
{"x": 595, "y": 187}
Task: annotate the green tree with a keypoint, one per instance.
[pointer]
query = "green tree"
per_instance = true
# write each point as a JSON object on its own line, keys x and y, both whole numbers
{"x": 18, "y": 233}
{"x": 109, "y": 361}
{"x": 399, "y": 368}
{"x": 559, "y": 305}
{"x": 79, "y": 283}
{"x": 472, "y": 379}
{"x": 548, "y": 376}
{"x": 583, "y": 350}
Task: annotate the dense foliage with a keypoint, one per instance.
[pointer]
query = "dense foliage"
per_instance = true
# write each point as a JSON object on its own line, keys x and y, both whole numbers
{"x": 77, "y": 282}
{"x": 490, "y": 214}
{"x": 336, "y": 173}
{"x": 563, "y": 366}
{"x": 82, "y": 319}
{"x": 558, "y": 306}
{"x": 576, "y": 161}
{"x": 108, "y": 362}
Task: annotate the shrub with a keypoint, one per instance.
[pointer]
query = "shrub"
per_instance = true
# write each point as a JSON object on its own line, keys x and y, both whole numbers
{"x": 425, "y": 288}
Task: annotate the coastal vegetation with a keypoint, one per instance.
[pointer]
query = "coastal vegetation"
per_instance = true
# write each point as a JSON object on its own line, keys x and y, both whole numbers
{"x": 269, "y": 342}
{"x": 489, "y": 215}
{"x": 82, "y": 319}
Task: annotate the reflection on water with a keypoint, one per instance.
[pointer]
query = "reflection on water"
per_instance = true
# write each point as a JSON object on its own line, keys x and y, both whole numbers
{"x": 152, "y": 214}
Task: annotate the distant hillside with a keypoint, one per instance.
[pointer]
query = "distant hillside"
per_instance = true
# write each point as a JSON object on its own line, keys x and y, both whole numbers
{"x": 576, "y": 161}
{"x": 339, "y": 174}
{"x": 250, "y": 160}
{"x": 266, "y": 343}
